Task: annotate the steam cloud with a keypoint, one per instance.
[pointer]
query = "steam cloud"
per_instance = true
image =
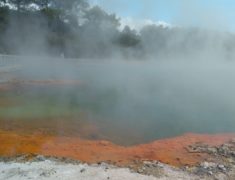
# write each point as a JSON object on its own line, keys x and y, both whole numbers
{"x": 155, "y": 82}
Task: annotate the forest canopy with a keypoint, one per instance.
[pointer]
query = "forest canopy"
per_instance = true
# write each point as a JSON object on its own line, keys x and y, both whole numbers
{"x": 75, "y": 29}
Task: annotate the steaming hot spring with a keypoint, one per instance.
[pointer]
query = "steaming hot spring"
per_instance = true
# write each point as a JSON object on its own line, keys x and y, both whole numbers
{"x": 119, "y": 112}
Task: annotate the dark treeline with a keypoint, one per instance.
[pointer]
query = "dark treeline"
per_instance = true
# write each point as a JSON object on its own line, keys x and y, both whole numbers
{"x": 75, "y": 29}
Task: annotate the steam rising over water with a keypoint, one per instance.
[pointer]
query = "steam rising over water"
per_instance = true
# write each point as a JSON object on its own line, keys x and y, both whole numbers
{"x": 156, "y": 100}
{"x": 135, "y": 102}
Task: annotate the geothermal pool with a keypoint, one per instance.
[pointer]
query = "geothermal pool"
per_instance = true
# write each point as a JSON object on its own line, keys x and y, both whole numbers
{"x": 126, "y": 103}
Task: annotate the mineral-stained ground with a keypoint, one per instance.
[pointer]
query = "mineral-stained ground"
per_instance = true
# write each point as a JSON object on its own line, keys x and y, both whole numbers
{"x": 194, "y": 155}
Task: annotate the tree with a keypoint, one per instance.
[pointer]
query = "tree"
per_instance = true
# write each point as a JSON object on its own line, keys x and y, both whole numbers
{"x": 42, "y": 4}
{"x": 97, "y": 33}
{"x": 3, "y": 3}
{"x": 69, "y": 7}
{"x": 69, "y": 4}
{"x": 19, "y": 4}
{"x": 70, "y": 10}
{"x": 128, "y": 37}
{"x": 98, "y": 17}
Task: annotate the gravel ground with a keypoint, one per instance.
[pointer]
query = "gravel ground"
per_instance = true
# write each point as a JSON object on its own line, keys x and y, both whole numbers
{"x": 55, "y": 171}
{"x": 52, "y": 170}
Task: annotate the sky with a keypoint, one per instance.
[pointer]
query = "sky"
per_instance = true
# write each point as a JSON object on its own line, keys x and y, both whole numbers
{"x": 212, "y": 14}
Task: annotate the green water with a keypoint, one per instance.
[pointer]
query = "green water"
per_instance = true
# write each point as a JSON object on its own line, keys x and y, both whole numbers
{"x": 126, "y": 103}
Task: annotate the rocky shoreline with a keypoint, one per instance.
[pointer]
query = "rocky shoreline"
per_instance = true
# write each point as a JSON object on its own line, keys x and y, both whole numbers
{"x": 220, "y": 165}
{"x": 191, "y": 156}
{"x": 51, "y": 168}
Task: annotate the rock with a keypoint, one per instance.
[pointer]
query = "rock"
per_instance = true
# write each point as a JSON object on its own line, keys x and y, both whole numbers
{"x": 40, "y": 158}
{"x": 230, "y": 160}
{"x": 48, "y": 173}
{"x": 222, "y": 167}
{"x": 224, "y": 149}
{"x": 155, "y": 165}
{"x": 103, "y": 164}
{"x": 160, "y": 165}
{"x": 221, "y": 177}
{"x": 82, "y": 170}
{"x": 140, "y": 171}
{"x": 148, "y": 164}
{"x": 210, "y": 173}
{"x": 20, "y": 158}
{"x": 212, "y": 150}
{"x": 208, "y": 165}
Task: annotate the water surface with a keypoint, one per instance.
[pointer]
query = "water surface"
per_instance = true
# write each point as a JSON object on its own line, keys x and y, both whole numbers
{"x": 124, "y": 102}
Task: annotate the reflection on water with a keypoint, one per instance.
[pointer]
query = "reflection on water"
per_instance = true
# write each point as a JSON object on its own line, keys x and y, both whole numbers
{"x": 126, "y": 103}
